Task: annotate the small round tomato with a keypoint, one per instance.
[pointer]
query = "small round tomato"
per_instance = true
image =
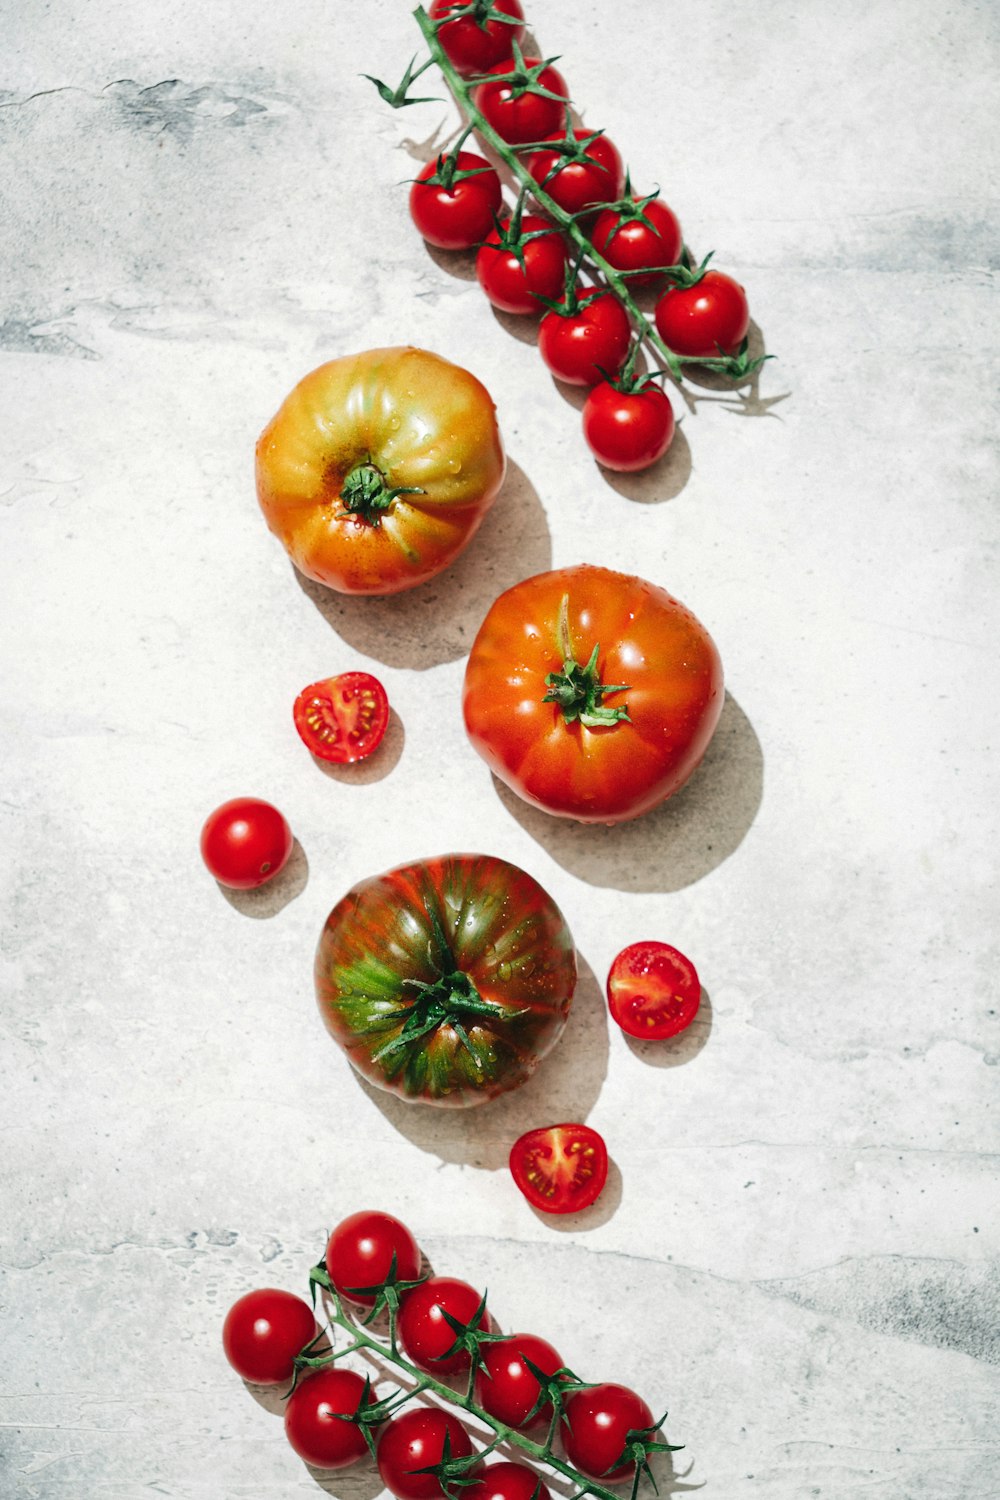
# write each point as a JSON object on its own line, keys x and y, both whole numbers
{"x": 506, "y": 1481}
{"x": 315, "y": 1418}
{"x": 597, "y": 1429}
{"x": 343, "y": 718}
{"x": 416, "y": 1440}
{"x": 474, "y": 42}
{"x": 505, "y": 1386}
{"x": 628, "y": 430}
{"x": 582, "y": 347}
{"x": 702, "y": 320}
{"x": 653, "y": 991}
{"x": 424, "y": 1331}
{"x": 516, "y": 113}
{"x": 647, "y": 235}
{"x": 577, "y": 182}
{"x": 560, "y": 1168}
{"x": 264, "y": 1331}
{"x": 452, "y": 210}
{"x": 515, "y": 287}
{"x": 245, "y": 843}
{"x": 360, "y": 1252}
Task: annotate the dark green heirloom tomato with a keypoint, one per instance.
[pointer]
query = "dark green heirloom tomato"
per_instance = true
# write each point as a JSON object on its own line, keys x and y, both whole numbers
{"x": 446, "y": 981}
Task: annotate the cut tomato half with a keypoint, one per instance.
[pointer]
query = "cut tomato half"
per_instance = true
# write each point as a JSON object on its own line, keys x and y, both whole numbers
{"x": 653, "y": 991}
{"x": 343, "y": 718}
{"x": 560, "y": 1168}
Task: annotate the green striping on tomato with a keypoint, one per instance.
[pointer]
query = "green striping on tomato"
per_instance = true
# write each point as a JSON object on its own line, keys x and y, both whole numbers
{"x": 446, "y": 981}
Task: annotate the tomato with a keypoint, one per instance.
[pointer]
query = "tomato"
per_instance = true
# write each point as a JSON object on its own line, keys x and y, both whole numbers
{"x": 702, "y": 319}
{"x": 538, "y": 717}
{"x": 446, "y": 980}
{"x": 586, "y": 171}
{"x": 360, "y": 1253}
{"x": 425, "y": 1333}
{"x": 314, "y": 1415}
{"x": 473, "y": 42}
{"x": 451, "y": 209}
{"x": 505, "y": 1386}
{"x": 516, "y": 113}
{"x": 560, "y": 1168}
{"x": 378, "y": 469}
{"x": 416, "y": 1440}
{"x": 264, "y": 1331}
{"x": 628, "y": 430}
{"x": 343, "y": 718}
{"x": 506, "y": 1481}
{"x": 647, "y": 234}
{"x": 578, "y": 346}
{"x": 515, "y": 287}
{"x": 653, "y": 991}
{"x": 245, "y": 843}
{"x": 598, "y": 1428}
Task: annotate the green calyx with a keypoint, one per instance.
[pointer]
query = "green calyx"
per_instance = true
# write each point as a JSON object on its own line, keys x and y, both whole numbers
{"x": 480, "y": 11}
{"x": 521, "y": 78}
{"x": 367, "y": 495}
{"x": 579, "y": 691}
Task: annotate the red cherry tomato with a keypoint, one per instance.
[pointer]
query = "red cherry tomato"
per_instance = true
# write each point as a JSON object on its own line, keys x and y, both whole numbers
{"x": 578, "y": 347}
{"x": 630, "y": 244}
{"x": 700, "y": 320}
{"x": 264, "y": 1331}
{"x": 475, "y": 45}
{"x": 245, "y": 843}
{"x": 314, "y": 1422}
{"x": 578, "y": 185}
{"x": 597, "y": 1427}
{"x": 520, "y": 118}
{"x": 506, "y": 1481}
{"x": 425, "y": 1333}
{"x": 653, "y": 991}
{"x": 343, "y": 718}
{"x": 513, "y": 287}
{"x": 560, "y": 1168}
{"x": 505, "y": 1386}
{"x": 415, "y": 1440}
{"x": 459, "y": 216}
{"x": 360, "y": 1253}
{"x": 628, "y": 430}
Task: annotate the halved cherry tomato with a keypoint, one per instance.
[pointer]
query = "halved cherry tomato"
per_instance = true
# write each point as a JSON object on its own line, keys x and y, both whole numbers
{"x": 343, "y": 718}
{"x": 560, "y": 1168}
{"x": 653, "y": 991}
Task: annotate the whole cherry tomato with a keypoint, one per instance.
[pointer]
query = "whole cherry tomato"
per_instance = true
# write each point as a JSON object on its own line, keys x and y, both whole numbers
{"x": 314, "y": 1418}
{"x": 379, "y": 468}
{"x": 628, "y": 430}
{"x": 710, "y": 317}
{"x": 653, "y": 991}
{"x": 474, "y": 42}
{"x": 413, "y": 1441}
{"x": 361, "y": 1250}
{"x": 583, "y": 347}
{"x": 506, "y": 1387}
{"x": 245, "y": 843}
{"x": 264, "y": 1331}
{"x": 506, "y": 1481}
{"x": 423, "y": 1329}
{"x": 517, "y": 114}
{"x": 646, "y": 235}
{"x": 560, "y": 1168}
{"x": 453, "y": 205}
{"x": 514, "y": 284}
{"x": 344, "y": 718}
{"x": 549, "y": 653}
{"x": 577, "y": 182}
{"x": 598, "y": 1427}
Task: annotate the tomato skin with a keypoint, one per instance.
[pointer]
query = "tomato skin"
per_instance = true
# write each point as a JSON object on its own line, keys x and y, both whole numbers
{"x": 415, "y": 1440}
{"x": 473, "y": 48}
{"x": 597, "y": 1427}
{"x": 574, "y": 346}
{"x": 630, "y": 245}
{"x": 313, "y": 1423}
{"x": 423, "y": 1331}
{"x": 506, "y": 1388}
{"x": 263, "y": 1332}
{"x": 578, "y": 185}
{"x": 423, "y": 423}
{"x": 342, "y": 719}
{"x": 360, "y": 1251}
{"x": 647, "y": 639}
{"x": 531, "y": 117}
{"x": 513, "y": 288}
{"x": 628, "y": 430}
{"x": 653, "y": 991}
{"x": 507, "y": 1481}
{"x": 245, "y": 842}
{"x": 458, "y": 217}
{"x": 699, "y": 320}
{"x": 560, "y": 1169}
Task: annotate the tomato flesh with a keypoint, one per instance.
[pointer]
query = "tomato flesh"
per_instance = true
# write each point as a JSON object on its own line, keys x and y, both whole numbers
{"x": 361, "y": 1250}
{"x": 560, "y": 1168}
{"x": 653, "y": 991}
{"x": 343, "y": 718}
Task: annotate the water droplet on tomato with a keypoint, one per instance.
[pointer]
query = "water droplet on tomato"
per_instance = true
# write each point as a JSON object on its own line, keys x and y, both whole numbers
{"x": 505, "y": 971}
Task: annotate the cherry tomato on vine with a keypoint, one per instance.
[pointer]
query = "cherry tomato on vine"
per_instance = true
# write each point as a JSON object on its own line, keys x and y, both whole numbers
{"x": 628, "y": 430}
{"x": 425, "y": 1333}
{"x": 596, "y": 1431}
{"x": 264, "y": 1331}
{"x": 512, "y": 286}
{"x": 472, "y": 43}
{"x": 360, "y": 1251}
{"x": 245, "y": 843}
{"x": 506, "y": 1481}
{"x": 314, "y": 1416}
{"x": 342, "y": 718}
{"x": 560, "y": 1168}
{"x": 653, "y": 991}
{"x": 520, "y": 117}
{"x": 584, "y": 347}
{"x": 578, "y": 184}
{"x": 416, "y": 1440}
{"x": 702, "y": 319}
{"x": 647, "y": 235}
{"x": 452, "y": 211}
{"x": 505, "y": 1386}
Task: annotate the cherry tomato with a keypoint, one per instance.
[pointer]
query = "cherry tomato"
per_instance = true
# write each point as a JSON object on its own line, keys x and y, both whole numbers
{"x": 314, "y": 1415}
{"x": 522, "y": 117}
{"x": 505, "y": 1386}
{"x": 578, "y": 347}
{"x": 264, "y": 1331}
{"x": 579, "y": 184}
{"x": 630, "y": 244}
{"x": 245, "y": 843}
{"x": 343, "y": 718}
{"x": 560, "y": 1168}
{"x": 513, "y": 287}
{"x": 628, "y": 430}
{"x": 459, "y": 215}
{"x": 416, "y": 1440}
{"x": 359, "y": 1253}
{"x": 472, "y": 44}
{"x": 700, "y": 320}
{"x": 597, "y": 1427}
{"x": 423, "y": 1330}
{"x": 653, "y": 991}
{"x": 506, "y": 1481}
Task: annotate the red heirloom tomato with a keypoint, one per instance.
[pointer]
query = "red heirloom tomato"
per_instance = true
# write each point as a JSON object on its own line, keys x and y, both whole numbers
{"x": 360, "y": 1251}
{"x": 473, "y": 42}
{"x": 343, "y": 718}
{"x": 597, "y": 1430}
{"x": 379, "y": 468}
{"x": 628, "y": 430}
{"x": 506, "y": 1481}
{"x": 425, "y": 1332}
{"x": 648, "y": 234}
{"x": 505, "y": 1386}
{"x": 314, "y": 1416}
{"x": 245, "y": 843}
{"x": 653, "y": 991}
{"x": 516, "y": 114}
{"x": 416, "y": 1440}
{"x": 448, "y": 980}
{"x": 591, "y": 174}
{"x": 264, "y": 1331}
{"x": 578, "y": 346}
{"x": 453, "y": 207}
{"x": 514, "y": 287}
{"x": 702, "y": 319}
{"x": 560, "y": 1168}
{"x": 548, "y": 654}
